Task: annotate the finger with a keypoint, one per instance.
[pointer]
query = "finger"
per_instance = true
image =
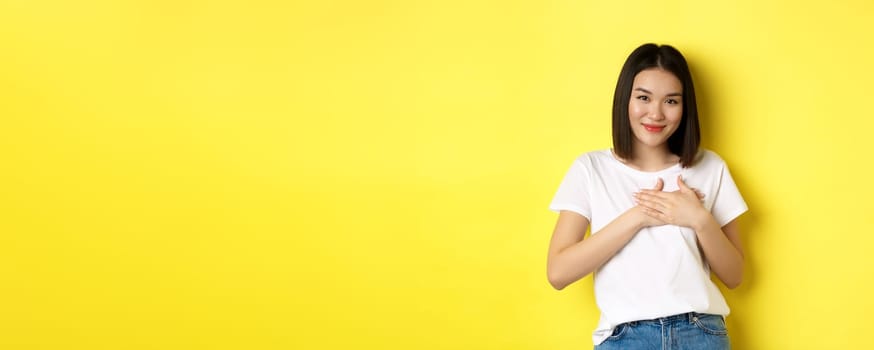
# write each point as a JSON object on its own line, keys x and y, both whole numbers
{"x": 652, "y": 195}
{"x": 660, "y": 184}
{"x": 699, "y": 193}
{"x": 647, "y": 202}
{"x": 682, "y": 184}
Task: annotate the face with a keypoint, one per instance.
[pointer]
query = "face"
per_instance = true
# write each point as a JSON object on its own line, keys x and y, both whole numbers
{"x": 655, "y": 108}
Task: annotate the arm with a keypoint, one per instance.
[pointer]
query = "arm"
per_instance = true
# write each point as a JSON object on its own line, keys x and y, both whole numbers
{"x": 722, "y": 249}
{"x": 571, "y": 257}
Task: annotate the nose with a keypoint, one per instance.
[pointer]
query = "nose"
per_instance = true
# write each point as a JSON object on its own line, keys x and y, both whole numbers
{"x": 656, "y": 113}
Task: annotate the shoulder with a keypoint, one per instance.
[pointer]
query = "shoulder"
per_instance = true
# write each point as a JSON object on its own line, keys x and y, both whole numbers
{"x": 595, "y": 156}
{"x": 708, "y": 159}
{"x": 591, "y": 163}
{"x": 594, "y": 159}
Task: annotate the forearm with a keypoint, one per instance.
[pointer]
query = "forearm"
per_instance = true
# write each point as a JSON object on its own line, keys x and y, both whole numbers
{"x": 584, "y": 257}
{"x": 725, "y": 260}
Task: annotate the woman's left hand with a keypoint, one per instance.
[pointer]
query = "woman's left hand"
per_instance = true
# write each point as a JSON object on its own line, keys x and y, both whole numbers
{"x": 682, "y": 207}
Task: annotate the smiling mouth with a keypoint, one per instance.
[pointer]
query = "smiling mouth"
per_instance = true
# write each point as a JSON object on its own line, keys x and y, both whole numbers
{"x": 653, "y": 128}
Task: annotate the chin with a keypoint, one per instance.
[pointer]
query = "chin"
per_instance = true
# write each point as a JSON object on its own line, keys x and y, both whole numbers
{"x": 652, "y": 142}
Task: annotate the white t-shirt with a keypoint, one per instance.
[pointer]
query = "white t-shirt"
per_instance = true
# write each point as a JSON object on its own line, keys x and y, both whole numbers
{"x": 660, "y": 272}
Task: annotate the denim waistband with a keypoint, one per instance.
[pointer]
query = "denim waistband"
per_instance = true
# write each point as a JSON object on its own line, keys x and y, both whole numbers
{"x": 687, "y": 317}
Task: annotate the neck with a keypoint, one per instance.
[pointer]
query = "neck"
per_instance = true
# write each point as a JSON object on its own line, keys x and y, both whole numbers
{"x": 652, "y": 159}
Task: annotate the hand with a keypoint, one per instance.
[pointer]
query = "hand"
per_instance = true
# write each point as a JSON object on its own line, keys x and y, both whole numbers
{"x": 682, "y": 207}
{"x": 645, "y": 219}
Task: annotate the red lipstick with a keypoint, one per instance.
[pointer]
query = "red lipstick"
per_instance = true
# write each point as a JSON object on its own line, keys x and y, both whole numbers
{"x": 653, "y": 128}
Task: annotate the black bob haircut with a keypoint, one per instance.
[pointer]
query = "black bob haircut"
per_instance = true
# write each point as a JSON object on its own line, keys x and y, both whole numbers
{"x": 685, "y": 140}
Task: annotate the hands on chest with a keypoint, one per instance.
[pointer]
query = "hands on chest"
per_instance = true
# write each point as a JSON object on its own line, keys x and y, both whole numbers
{"x": 682, "y": 207}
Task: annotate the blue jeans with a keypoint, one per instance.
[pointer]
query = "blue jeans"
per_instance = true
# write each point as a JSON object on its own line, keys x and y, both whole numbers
{"x": 685, "y": 331}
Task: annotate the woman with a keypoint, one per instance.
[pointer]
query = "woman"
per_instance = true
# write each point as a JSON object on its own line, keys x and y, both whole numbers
{"x": 662, "y": 215}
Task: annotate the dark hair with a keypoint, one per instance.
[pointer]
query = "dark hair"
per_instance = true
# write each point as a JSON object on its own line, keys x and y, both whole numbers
{"x": 685, "y": 140}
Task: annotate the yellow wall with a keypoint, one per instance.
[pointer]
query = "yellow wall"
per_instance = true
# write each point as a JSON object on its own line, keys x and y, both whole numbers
{"x": 376, "y": 174}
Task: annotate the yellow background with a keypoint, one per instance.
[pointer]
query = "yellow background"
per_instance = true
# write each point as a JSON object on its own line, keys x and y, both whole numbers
{"x": 376, "y": 174}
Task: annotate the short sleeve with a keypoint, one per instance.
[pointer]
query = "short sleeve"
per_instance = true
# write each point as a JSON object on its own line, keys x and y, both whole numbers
{"x": 728, "y": 203}
{"x": 572, "y": 193}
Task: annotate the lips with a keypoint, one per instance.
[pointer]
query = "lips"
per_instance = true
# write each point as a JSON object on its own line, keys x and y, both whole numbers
{"x": 653, "y": 128}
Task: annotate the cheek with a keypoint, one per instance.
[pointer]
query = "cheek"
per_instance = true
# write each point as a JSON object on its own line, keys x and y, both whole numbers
{"x": 675, "y": 115}
{"x": 634, "y": 110}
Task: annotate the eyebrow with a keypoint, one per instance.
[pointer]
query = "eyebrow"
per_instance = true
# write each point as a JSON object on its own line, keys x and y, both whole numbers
{"x": 649, "y": 92}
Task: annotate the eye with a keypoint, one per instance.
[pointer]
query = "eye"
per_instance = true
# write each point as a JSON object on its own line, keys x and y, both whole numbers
{"x": 643, "y": 98}
{"x": 672, "y": 101}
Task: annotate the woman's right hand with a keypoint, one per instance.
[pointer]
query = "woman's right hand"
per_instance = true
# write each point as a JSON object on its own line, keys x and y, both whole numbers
{"x": 645, "y": 220}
